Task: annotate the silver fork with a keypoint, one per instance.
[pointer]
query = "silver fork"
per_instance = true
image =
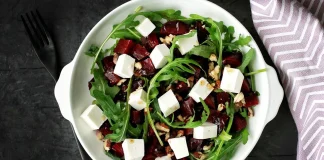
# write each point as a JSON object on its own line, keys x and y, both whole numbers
{"x": 46, "y": 53}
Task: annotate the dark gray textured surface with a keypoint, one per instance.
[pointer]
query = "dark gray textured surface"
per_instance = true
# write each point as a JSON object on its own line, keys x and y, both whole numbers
{"x": 31, "y": 126}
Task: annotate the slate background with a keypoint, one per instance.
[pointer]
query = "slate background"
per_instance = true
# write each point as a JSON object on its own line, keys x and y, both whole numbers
{"x": 31, "y": 125}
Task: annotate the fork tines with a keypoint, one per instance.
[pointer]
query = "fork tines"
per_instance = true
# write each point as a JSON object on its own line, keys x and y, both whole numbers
{"x": 36, "y": 29}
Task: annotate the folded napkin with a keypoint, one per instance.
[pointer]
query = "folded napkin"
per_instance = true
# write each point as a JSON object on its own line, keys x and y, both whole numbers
{"x": 292, "y": 32}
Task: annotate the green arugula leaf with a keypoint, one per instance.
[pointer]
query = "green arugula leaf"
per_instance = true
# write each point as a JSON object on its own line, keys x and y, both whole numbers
{"x": 255, "y": 72}
{"x": 224, "y": 136}
{"x": 129, "y": 33}
{"x": 111, "y": 155}
{"x": 203, "y": 50}
{"x": 101, "y": 84}
{"x": 230, "y": 147}
{"x": 245, "y": 135}
{"x": 242, "y": 41}
{"x": 229, "y": 35}
{"x": 135, "y": 131}
{"x": 247, "y": 57}
{"x": 243, "y": 112}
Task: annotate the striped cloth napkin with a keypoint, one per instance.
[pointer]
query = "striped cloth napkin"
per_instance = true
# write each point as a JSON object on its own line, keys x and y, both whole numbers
{"x": 292, "y": 32}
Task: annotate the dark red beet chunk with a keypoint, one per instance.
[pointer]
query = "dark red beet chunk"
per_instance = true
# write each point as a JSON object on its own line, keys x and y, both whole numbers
{"x": 148, "y": 157}
{"x": 150, "y": 132}
{"x": 210, "y": 101}
{"x": 188, "y": 131}
{"x": 234, "y": 59}
{"x": 197, "y": 72}
{"x": 239, "y": 123}
{"x": 109, "y": 65}
{"x": 118, "y": 149}
{"x": 222, "y": 97}
{"x": 140, "y": 52}
{"x": 137, "y": 83}
{"x": 89, "y": 83}
{"x": 124, "y": 46}
{"x": 137, "y": 117}
{"x": 187, "y": 107}
{"x": 251, "y": 100}
{"x": 181, "y": 87}
{"x": 218, "y": 118}
{"x": 105, "y": 128}
{"x": 195, "y": 144}
{"x": 245, "y": 86}
{"x": 112, "y": 78}
{"x": 147, "y": 67}
{"x": 201, "y": 31}
{"x": 175, "y": 28}
{"x": 152, "y": 40}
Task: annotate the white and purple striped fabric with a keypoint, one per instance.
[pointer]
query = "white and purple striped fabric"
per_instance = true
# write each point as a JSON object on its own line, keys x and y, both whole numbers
{"x": 292, "y": 32}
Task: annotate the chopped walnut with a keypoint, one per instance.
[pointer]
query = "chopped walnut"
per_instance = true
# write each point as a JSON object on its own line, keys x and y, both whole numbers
{"x": 138, "y": 65}
{"x": 115, "y": 58}
{"x": 161, "y": 133}
{"x": 210, "y": 66}
{"x": 180, "y": 118}
{"x": 162, "y": 127}
{"x": 217, "y": 84}
{"x": 190, "y": 81}
{"x": 214, "y": 73}
{"x": 107, "y": 144}
{"x": 220, "y": 107}
{"x": 213, "y": 58}
{"x": 179, "y": 98}
{"x": 167, "y": 40}
{"x": 168, "y": 87}
{"x": 169, "y": 151}
{"x": 199, "y": 155}
{"x": 167, "y": 136}
{"x": 207, "y": 147}
{"x": 99, "y": 135}
{"x": 239, "y": 100}
{"x": 250, "y": 112}
{"x": 120, "y": 82}
{"x": 180, "y": 133}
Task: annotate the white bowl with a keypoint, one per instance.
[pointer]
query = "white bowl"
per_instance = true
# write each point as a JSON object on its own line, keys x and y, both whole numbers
{"x": 72, "y": 94}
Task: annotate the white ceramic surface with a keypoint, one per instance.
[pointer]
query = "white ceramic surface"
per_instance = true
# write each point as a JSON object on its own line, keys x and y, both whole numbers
{"x": 72, "y": 94}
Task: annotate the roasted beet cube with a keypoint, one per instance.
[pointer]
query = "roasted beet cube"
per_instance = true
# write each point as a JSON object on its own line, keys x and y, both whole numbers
{"x": 175, "y": 28}
{"x": 124, "y": 46}
{"x": 195, "y": 144}
{"x": 239, "y": 123}
{"x": 108, "y": 63}
{"x": 233, "y": 59}
{"x": 187, "y": 107}
{"x": 210, "y": 101}
{"x": 149, "y": 157}
{"x": 118, "y": 149}
{"x": 137, "y": 116}
{"x": 150, "y": 132}
{"x": 201, "y": 31}
{"x": 148, "y": 68}
{"x": 137, "y": 83}
{"x": 218, "y": 118}
{"x": 152, "y": 40}
{"x": 245, "y": 86}
{"x": 181, "y": 87}
{"x": 105, "y": 128}
{"x": 140, "y": 52}
{"x": 222, "y": 97}
{"x": 251, "y": 100}
{"x": 197, "y": 72}
{"x": 188, "y": 131}
{"x": 112, "y": 78}
{"x": 89, "y": 83}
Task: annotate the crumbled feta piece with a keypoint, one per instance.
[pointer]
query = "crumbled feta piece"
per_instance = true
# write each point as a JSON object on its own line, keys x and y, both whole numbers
{"x": 125, "y": 66}
{"x": 201, "y": 90}
{"x": 137, "y": 99}
{"x": 145, "y": 26}
{"x": 159, "y": 55}
{"x": 179, "y": 147}
{"x": 168, "y": 103}
{"x": 186, "y": 44}
{"x": 133, "y": 149}
{"x": 163, "y": 158}
{"x": 94, "y": 117}
{"x": 205, "y": 131}
{"x": 232, "y": 80}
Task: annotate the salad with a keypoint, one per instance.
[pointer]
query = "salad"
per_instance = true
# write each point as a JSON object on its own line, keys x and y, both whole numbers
{"x": 171, "y": 87}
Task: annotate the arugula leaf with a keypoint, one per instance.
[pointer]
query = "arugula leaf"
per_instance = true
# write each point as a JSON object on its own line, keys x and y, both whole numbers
{"x": 92, "y": 51}
{"x": 242, "y": 41}
{"x": 245, "y": 135}
{"x": 247, "y": 57}
{"x": 203, "y": 50}
{"x": 145, "y": 129}
{"x": 111, "y": 155}
{"x": 229, "y": 35}
{"x": 224, "y": 136}
{"x": 243, "y": 112}
{"x": 230, "y": 147}
{"x": 129, "y": 33}
{"x": 134, "y": 131}
{"x": 100, "y": 84}
{"x": 255, "y": 72}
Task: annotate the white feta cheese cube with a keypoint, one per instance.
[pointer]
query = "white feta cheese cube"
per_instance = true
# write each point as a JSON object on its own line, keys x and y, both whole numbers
{"x": 125, "y": 66}
{"x": 205, "y": 131}
{"x": 163, "y": 158}
{"x": 168, "y": 103}
{"x": 145, "y": 26}
{"x": 137, "y": 99}
{"x": 186, "y": 44}
{"x": 133, "y": 149}
{"x": 94, "y": 117}
{"x": 159, "y": 55}
{"x": 232, "y": 80}
{"x": 179, "y": 147}
{"x": 201, "y": 90}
